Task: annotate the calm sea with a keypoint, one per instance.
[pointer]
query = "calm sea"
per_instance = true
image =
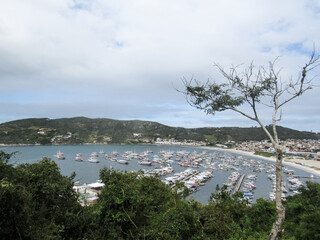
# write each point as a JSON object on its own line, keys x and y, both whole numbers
{"x": 87, "y": 172}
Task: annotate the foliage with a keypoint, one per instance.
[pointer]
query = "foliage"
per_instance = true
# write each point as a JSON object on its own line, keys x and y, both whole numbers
{"x": 37, "y": 202}
{"x": 211, "y": 139}
{"x": 6, "y": 169}
{"x": 303, "y": 213}
{"x": 224, "y": 215}
{"x": 262, "y": 215}
{"x": 254, "y": 86}
{"x": 113, "y": 131}
{"x": 139, "y": 207}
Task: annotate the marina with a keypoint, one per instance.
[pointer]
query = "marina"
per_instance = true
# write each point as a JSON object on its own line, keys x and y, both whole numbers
{"x": 199, "y": 169}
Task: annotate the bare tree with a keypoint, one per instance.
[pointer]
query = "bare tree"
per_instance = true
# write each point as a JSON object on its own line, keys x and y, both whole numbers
{"x": 254, "y": 86}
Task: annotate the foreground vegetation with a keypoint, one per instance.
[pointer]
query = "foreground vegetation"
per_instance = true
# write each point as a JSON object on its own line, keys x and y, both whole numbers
{"x": 37, "y": 202}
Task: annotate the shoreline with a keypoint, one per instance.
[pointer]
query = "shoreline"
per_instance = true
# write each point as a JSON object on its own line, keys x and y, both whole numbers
{"x": 305, "y": 165}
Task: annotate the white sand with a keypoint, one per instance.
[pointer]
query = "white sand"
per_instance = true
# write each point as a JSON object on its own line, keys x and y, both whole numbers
{"x": 297, "y": 162}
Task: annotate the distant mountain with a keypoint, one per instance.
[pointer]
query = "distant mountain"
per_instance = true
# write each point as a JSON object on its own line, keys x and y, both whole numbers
{"x": 101, "y": 130}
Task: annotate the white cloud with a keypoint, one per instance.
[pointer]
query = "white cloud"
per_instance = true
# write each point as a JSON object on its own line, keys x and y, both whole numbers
{"x": 75, "y": 57}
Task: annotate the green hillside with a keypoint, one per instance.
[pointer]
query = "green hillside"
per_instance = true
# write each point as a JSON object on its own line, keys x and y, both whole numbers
{"x": 102, "y": 130}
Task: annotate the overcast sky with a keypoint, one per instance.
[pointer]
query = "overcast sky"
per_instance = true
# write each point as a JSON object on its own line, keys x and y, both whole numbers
{"x": 123, "y": 59}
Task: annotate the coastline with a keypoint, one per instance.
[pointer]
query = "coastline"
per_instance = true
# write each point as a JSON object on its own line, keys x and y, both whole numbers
{"x": 303, "y": 164}
{"x": 306, "y": 165}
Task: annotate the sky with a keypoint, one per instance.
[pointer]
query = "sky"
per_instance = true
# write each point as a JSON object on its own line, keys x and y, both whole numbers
{"x": 125, "y": 59}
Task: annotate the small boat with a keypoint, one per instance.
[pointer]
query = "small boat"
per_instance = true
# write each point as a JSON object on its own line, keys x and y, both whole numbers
{"x": 60, "y": 155}
{"x": 79, "y": 157}
{"x": 114, "y": 153}
{"x": 93, "y": 160}
{"x": 183, "y": 164}
{"x": 94, "y": 154}
{"x": 145, "y": 163}
{"x": 123, "y": 161}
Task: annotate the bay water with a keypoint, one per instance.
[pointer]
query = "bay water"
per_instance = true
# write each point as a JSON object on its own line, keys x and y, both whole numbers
{"x": 87, "y": 172}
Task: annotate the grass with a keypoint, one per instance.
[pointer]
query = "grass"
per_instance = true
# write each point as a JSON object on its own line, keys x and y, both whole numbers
{"x": 265, "y": 154}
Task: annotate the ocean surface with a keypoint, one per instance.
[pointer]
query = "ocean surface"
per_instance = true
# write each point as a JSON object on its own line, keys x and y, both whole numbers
{"x": 87, "y": 172}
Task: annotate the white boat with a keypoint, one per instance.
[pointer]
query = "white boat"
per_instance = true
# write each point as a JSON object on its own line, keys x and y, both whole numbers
{"x": 79, "y": 157}
{"x": 145, "y": 163}
{"x": 123, "y": 161}
{"x": 93, "y": 160}
{"x": 94, "y": 154}
{"x": 60, "y": 155}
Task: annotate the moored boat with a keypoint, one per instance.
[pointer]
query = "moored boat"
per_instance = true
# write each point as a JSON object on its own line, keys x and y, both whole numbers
{"x": 122, "y": 161}
{"x": 145, "y": 163}
{"x": 93, "y": 160}
{"x": 79, "y": 157}
{"x": 60, "y": 155}
{"x": 94, "y": 154}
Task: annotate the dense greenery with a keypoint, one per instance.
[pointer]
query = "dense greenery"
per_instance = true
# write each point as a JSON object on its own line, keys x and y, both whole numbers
{"x": 85, "y": 130}
{"x": 37, "y": 202}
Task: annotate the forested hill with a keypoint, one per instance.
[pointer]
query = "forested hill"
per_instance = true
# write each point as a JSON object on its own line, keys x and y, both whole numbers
{"x": 102, "y": 130}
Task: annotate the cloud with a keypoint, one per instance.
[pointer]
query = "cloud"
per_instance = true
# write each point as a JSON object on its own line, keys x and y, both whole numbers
{"x": 124, "y": 59}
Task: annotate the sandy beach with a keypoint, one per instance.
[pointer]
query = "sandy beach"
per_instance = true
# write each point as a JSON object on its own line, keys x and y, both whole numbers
{"x": 297, "y": 162}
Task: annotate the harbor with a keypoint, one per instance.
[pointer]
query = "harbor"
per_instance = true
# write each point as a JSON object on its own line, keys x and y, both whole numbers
{"x": 200, "y": 169}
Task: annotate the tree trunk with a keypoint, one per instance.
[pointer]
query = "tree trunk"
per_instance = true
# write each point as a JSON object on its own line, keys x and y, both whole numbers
{"x": 276, "y": 232}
